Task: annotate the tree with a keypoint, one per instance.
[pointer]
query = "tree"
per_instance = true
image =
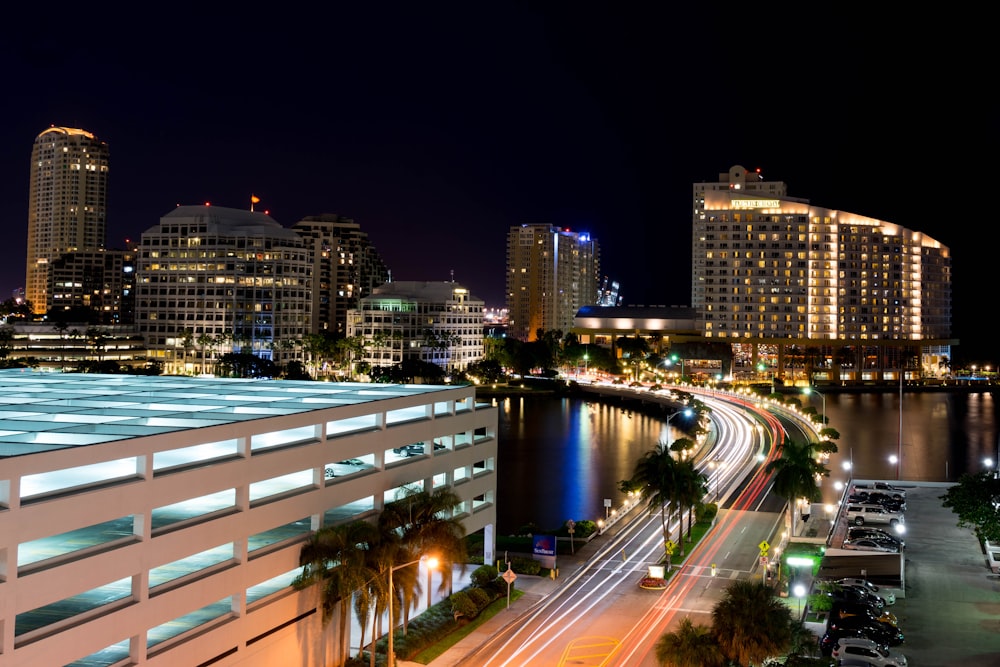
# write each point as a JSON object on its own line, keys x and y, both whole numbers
{"x": 751, "y": 624}
{"x": 426, "y": 524}
{"x": 691, "y": 486}
{"x": 976, "y": 501}
{"x": 689, "y": 646}
{"x": 795, "y": 474}
{"x": 334, "y": 558}
{"x": 655, "y": 478}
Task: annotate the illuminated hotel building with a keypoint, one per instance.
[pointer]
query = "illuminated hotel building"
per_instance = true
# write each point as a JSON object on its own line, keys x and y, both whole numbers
{"x": 770, "y": 269}
{"x": 67, "y": 204}
{"x": 213, "y": 280}
{"x": 159, "y": 520}
{"x": 436, "y": 322}
{"x": 551, "y": 274}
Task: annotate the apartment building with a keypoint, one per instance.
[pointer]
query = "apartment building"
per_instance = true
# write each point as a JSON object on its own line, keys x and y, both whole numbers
{"x": 346, "y": 268}
{"x": 213, "y": 280}
{"x": 436, "y": 322}
{"x": 67, "y": 204}
{"x": 551, "y": 274}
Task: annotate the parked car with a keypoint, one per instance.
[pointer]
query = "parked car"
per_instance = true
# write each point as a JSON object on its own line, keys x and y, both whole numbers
{"x": 855, "y": 532}
{"x": 870, "y": 544}
{"x": 850, "y": 594}
{"x": 414, "y": 449}
{"x": 844, "y": 609}
{"x": 886, "y": 500}
{"x": 831, "y": 637}
{"x": 864, "y": 649}
{"x": 883, "y": 633}
{"x": 860, "y": 514}
{"x": 884, "y": 593}
{"x": 884, "y": 487}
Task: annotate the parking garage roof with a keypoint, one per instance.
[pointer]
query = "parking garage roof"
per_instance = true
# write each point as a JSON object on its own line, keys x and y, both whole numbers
{"x": 45, "y": 411}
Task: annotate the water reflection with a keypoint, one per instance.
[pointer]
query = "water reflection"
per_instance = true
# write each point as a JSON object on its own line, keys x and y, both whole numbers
{"x": 560, "y": 458}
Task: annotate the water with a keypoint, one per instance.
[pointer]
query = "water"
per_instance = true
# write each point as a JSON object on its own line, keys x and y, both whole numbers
{"x": 561, "y": 458}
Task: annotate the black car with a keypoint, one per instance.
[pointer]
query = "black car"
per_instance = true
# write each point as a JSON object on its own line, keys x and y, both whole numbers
{"x": 883, "y": 633}
{"x": 871, "y": 533}
{"x": 856, "y": 595}
{"x": 878, "y": 498}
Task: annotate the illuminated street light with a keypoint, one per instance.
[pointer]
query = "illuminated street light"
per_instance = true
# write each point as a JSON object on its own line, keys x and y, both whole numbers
{"x": 431, "y": 563}
{"x": 811, "y": 390}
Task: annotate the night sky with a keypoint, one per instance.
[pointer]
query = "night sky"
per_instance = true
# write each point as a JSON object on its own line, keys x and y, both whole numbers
{"x": 437, "y": 126}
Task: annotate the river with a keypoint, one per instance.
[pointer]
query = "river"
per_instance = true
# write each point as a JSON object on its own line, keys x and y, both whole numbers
{"x": 562, "y": 458}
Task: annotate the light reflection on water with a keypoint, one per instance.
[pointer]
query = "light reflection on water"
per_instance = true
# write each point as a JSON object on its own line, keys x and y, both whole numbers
{"x": 560, "y": 458}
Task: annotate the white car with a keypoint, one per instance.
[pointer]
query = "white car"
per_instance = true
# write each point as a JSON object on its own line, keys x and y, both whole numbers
{"x": 884, "y": 593}
{"x": 860, "y": 514}
{"x": 867, "y": 544}
{"x": 858, "y": 648}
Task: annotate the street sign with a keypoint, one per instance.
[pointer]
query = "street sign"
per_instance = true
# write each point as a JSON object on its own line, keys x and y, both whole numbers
{"x": 509, "y": 576}
{"x": 763, "y": 561}
{"x": 764, "y": 547}
{"x": 670, "y": 546}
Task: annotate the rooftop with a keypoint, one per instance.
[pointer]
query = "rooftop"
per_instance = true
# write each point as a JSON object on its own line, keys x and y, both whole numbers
{"x": 42, "y": 411}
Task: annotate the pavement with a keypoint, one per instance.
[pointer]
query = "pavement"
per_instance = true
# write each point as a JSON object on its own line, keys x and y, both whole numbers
{"x": 948, "y": 605}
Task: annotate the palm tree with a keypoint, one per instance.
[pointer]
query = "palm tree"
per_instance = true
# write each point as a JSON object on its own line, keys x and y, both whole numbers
{"x": 692, "y": 486}
{"x": 334, "y": 558}
{"x": 689, "y": 646}
{"x": 795, "y": 474}
{"x": 655, "y": 477}
{"x": 750, "y": 623}
{"x": 425, "y": 524}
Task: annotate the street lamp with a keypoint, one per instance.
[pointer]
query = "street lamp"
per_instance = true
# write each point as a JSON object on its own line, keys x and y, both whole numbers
{"x": 674, "y": 358}
{"x": 894, "y": 460}
{"x": 431, "y": 563}
{"x": 799, "y": 591}
{"x": 811, "y": 390}
{"x": 716, "y": 466}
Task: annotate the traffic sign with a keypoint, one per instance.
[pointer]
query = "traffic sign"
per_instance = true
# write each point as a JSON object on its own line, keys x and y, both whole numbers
{"x": 764, "y": 546}
{"x": 763, "y": 561}
{"x": 509, "y": 576}
{"x": 670, "y": 546}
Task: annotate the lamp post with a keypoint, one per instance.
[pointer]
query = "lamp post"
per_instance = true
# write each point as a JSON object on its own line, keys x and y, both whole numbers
{"x": 431, "y": 564}
{"x": 811, "y": 390}
{"x": 674, "y": 358}
{"x": 799, "y": 591}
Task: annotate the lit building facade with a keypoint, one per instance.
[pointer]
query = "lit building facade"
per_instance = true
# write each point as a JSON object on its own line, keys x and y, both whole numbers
{"x": 551, "y": 274}
{"x": 102, "y": 280}
{"x": 436, "y": 322}
{"x": 775, "y": 270}
{"x": 212, "y": 280}
{"x": 159, "y": 520}
{"x": 67, "y": 204}
{"x": 346, "y": 268}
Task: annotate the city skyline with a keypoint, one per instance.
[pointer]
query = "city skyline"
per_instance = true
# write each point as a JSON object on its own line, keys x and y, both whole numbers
{"x": 436, "y": 132}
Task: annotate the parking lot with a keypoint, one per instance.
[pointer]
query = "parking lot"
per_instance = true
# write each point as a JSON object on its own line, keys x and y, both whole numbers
{"x": 948, "y": 603}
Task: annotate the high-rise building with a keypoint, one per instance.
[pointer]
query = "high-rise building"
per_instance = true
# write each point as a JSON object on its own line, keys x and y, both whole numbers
{"x": 436, "y": 322}
{"x": 551, "y": 274}
{"x": 770, "y": 266}
{"x": 346, "y": 268}
{"x": 67, "y": 205}
{"x": 213, "y": 280}
{"x": 101, "y": 280}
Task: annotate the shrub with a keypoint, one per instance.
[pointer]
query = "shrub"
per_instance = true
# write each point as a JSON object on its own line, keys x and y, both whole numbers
{"x": 522, "y": 565}
{"x": 480, "y": 598}
{"x": 483, "y": 576}
{"x": 463, "y": 605}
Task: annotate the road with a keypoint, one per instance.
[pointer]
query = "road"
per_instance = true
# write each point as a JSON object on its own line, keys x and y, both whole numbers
{"x": 602, "y": 616}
